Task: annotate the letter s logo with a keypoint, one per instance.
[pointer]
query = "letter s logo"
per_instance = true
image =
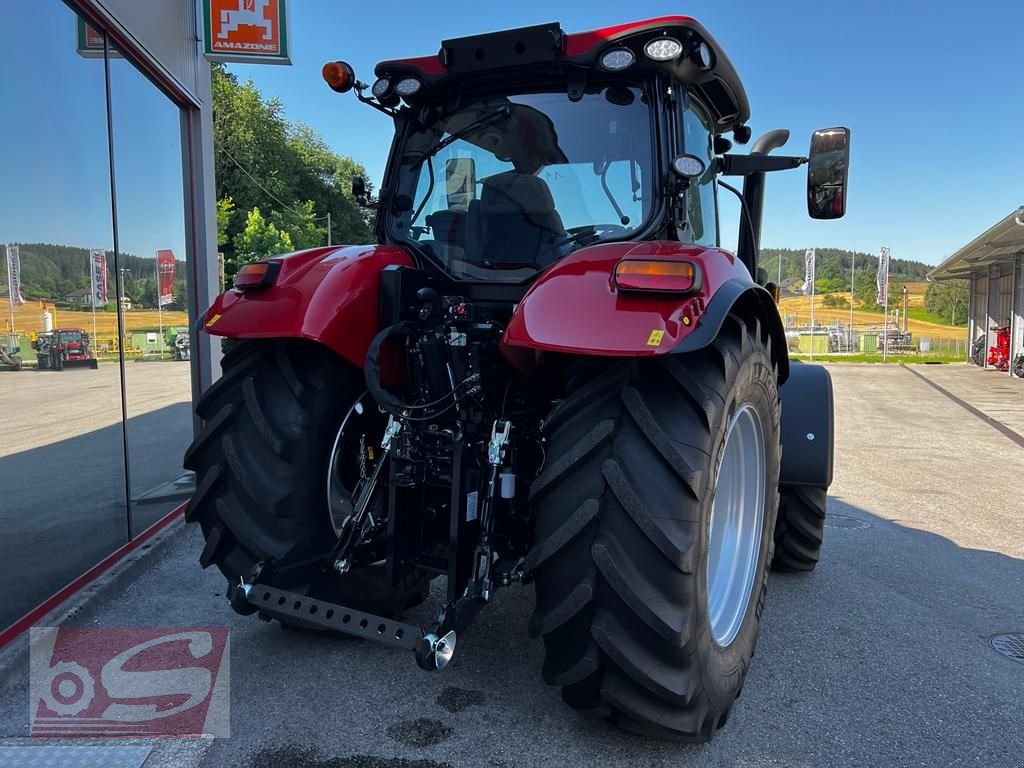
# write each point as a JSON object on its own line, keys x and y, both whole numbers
{"x": 194, "y": 682}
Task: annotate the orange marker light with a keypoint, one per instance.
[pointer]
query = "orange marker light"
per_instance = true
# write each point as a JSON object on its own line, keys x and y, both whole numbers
{"x": 654, "y": 275}
{"x": 339, "y": 75}
{"x": 255, "y": 276}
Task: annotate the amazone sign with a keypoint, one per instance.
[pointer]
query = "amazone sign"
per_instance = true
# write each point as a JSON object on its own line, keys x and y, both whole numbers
{"x": 254, "y": 31}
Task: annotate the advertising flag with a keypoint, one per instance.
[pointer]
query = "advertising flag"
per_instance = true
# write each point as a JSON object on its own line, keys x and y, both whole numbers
{"x": 883, "y": 277}
{"x": 809, "y": 265}
{"x": 14, "y": 276}
{"x": 165, "y": 275}
{"x": 98, "y": 277}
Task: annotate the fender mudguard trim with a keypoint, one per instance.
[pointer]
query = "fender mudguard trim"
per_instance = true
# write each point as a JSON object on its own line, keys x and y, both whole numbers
{"x": 808, "y": 431}
{"x": 746, "y": 297}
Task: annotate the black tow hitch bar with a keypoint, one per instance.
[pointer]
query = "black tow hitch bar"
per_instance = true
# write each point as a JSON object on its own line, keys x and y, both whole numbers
{"x": 432, "y": 652}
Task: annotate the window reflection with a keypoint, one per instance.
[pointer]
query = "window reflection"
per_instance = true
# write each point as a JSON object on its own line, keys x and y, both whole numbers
{"x": 151, "y": 239}
{"x": 62, "y": 503}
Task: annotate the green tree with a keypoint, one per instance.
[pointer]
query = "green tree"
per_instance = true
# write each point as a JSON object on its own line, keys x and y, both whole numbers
{"x": 259, "y": 240}
{"x": 300, "y": 222}
{"x": 948, "y": 300}
{"x": 834, "y": 301}
{"x": 285, "y": 169}
{"x": 225, "y": 212}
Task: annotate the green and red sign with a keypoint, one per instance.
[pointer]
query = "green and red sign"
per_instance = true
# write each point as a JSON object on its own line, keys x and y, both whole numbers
{"x": 253, "y": 31}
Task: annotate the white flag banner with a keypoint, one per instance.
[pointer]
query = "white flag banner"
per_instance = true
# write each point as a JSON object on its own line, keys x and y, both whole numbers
{"x": 98, "y": 277}
{"x": 14, "y": 276}
{"x": 809, "y": 265}
{"x": 882, "y": 280}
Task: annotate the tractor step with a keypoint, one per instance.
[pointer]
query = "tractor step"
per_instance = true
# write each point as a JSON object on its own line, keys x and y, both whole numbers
{"x": 431, "y": 652}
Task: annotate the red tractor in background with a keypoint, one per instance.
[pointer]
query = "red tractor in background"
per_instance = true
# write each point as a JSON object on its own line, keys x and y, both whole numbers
{"x": 999, "y": 353}
{"x": 63, "y": 347}
{"x": 545, "y": 371}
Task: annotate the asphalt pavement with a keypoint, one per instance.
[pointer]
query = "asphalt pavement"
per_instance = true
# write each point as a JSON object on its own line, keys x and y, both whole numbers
{"x": 881, "y": 657}
{"x": 62, "y": 468}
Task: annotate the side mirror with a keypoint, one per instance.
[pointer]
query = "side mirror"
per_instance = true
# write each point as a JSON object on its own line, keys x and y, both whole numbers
{"x": 828, "y": 166}
{"x": 460, "y": 182}
{"x": 359, "y": 192}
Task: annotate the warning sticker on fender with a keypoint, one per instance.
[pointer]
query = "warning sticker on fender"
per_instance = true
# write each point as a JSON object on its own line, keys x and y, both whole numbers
{"x": 655, "y": 338}
{"x": 471, "y": 506}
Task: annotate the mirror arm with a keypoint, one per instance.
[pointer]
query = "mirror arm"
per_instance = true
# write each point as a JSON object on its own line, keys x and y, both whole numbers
{"x": 745, "y": 165}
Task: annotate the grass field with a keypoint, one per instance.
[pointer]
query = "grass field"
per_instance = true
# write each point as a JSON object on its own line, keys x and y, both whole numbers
{"x": 29, "y": 317}
{"x": 800, "y": 307}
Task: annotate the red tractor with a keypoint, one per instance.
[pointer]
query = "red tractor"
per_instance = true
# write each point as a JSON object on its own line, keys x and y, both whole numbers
{"x": 999, "y": 353}
{"x": 64, "y": 347}
{"x": 545, "y": 371}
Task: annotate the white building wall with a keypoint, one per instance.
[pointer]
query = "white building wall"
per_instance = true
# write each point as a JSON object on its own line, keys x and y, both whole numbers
{"x": 169, "y": 32}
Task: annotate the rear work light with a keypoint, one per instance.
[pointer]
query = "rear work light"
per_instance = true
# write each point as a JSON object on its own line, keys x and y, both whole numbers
{"x": 254, "y": 277}
{"x": 656, "y": 275}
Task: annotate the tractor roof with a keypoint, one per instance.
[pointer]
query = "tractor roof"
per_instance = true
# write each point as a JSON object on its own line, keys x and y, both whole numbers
{"x": 546, "y": 48}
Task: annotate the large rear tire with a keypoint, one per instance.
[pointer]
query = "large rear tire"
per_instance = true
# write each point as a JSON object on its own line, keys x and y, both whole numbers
{"x": 271, "y": 426}
{"x": 800, "y": 529}
{"x": 634, "y": 578}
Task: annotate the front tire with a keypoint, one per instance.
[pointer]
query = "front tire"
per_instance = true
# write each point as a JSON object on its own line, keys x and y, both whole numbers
{"x": 624, "y": 562}
{"x": 800, "y": 529}
{"x": 261, "y": 461}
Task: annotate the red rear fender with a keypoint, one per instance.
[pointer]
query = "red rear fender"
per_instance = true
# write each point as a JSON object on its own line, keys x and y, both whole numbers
{"x": 330, "y": 295}
{"x": 575, "y": 307}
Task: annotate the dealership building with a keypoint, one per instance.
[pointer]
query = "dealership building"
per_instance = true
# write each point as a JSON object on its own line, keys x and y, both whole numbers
{"x": 108, "y": 147}
{"x": 993, "y": 265}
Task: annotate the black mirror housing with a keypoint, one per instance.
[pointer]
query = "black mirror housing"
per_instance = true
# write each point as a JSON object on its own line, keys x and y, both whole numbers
{"x": 359, "y": 188}
{"x": 828, "y": 167}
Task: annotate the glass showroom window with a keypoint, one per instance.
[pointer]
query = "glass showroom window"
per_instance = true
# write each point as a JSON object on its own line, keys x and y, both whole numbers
{"x": 150, "y": 203}
{"x": 62, "y": 471}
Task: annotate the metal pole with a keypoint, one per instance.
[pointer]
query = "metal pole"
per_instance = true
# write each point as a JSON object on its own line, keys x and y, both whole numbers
{"x": 329, "y": 228}
{"x": 885, "y": 320}
{"x": 853, "y": 274}
{"x": 118, "y": 292}
{"x": 906, "y": 292}
{"x": 92, "y": 301}
{"x": 813, "y": 271}
{"x": 10, "y": 285}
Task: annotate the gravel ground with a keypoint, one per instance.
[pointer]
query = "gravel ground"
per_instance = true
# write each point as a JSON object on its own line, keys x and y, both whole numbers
{"x": 881, "y": 657}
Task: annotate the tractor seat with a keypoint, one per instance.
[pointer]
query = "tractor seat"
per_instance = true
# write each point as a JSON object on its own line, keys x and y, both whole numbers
{"x": 514, "y": 224}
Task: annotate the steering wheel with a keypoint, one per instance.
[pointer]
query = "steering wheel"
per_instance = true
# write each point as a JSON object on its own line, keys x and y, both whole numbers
{"x": 597, "y": 231}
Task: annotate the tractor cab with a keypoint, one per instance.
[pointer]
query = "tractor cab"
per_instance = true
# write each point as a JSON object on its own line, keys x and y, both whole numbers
{"x": 517, "y": 148}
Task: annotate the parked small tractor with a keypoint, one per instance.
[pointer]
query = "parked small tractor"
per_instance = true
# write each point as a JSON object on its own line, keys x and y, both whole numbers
{"x": 545, "y": 371}
{"x": 10, "y": 351}
{"x": 64, "y": 347}
{"x": 182, "y": 345}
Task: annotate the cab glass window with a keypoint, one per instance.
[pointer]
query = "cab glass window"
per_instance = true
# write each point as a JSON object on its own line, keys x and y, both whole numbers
{"x": 701, "y": 212}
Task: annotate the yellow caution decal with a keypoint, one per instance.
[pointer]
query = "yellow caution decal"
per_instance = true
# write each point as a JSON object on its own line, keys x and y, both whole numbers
{"x": 655, "y": 338}
{"x": 213, "y": 319}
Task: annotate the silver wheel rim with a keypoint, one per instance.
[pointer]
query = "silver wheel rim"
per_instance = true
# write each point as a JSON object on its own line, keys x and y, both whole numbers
{"x": 734, "y": 530}
{"x": 340, "y": 482}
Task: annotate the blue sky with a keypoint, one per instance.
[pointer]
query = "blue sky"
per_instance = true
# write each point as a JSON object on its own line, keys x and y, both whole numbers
{"x": 54, "y": 174}
{"x": 933, "y": 93}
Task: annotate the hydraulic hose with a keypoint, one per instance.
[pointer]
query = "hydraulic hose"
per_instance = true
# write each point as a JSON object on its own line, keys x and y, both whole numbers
{"x": 371, "y": 369}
